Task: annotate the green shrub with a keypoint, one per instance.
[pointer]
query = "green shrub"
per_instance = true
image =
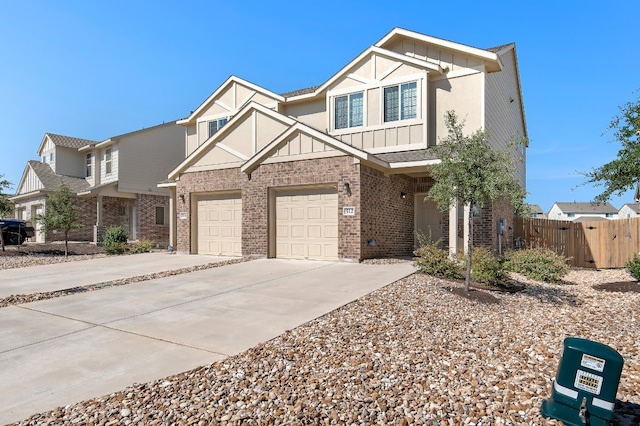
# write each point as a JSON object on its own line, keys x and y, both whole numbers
{"x": 432, "y": 260}
{"x": 142, "y": 246}
{"x": 114, "y": 240}
{"x": 633, "y": 266}
{"x": 486, "y": 268}
{"x": 540, "y": 264}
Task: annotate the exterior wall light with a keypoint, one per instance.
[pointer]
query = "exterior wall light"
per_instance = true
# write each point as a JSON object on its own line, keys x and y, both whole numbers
{"x": 403, "y": 195}
{"x": 346, "y": 188}
{"x": 181, "y": 197}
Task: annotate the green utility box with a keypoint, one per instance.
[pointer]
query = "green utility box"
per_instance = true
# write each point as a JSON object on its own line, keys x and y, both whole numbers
{"x": 585, "y": 387}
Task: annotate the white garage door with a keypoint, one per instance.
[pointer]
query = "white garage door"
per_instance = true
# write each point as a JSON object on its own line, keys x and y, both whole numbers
{"x": 307, "y": 224}
{"x": 220, "y": 225}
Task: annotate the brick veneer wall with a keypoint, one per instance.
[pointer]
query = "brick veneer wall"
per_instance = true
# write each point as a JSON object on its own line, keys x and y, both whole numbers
{"x": 387, "y": 218}
{"x": 147, "y": 228}
{"x": 87, "y": 218}
{"x": 332, "y": 171}
{"x": 485, "y": 232}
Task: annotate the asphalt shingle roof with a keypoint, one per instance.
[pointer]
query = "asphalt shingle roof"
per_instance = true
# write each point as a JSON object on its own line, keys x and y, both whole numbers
{"x": 586, "y": 207}
{"x": 52, "y": 181}
{"x": 299, "y": 92}
{"x": 407, "y": 156}
{"x": 68, "y": 141}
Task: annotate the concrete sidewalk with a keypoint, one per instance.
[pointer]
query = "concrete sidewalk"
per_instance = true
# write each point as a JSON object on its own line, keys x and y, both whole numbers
{"x": 59, "y": 351}
{"x": 60, "y": 276}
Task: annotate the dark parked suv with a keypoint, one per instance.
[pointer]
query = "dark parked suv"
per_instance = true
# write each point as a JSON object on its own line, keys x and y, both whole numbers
{"x": 15, "y": 231}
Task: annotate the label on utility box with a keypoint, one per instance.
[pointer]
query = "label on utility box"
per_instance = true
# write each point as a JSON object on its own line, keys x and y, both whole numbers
{"x": 592, "y": 362}
{"x": 588, "y": 382}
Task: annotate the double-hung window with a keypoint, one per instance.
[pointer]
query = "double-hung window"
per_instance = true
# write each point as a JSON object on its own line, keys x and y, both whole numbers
{"x": 88, "y": 165}
{"x": 348, "y": 110}
{"x": 401, "y": 102}
{"x": 216, "y": 125}
{"x": 107, "y": 161}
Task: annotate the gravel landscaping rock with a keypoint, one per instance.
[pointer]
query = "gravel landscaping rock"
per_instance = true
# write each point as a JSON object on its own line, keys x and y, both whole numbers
{"x": 413, "y": 352}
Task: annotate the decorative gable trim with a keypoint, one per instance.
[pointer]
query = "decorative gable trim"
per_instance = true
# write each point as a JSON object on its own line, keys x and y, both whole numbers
{"x": 230, "y": 81}
{"x": 373, "y": 50}
{"x": 468, "y": 50}
{"x": 213, "y": 140}
{"x": 277, "y": 143}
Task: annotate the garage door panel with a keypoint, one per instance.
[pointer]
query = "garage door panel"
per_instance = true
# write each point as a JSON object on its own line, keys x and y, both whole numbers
{"x": 220, "y": 224}
{"x": 307, "y": 224}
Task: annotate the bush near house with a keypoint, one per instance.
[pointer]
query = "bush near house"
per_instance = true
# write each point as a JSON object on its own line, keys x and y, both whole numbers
{"x": 487, "y": 268}
{"x": 432, "y": 260}
{"x": 633, "y": 266}
{"x": 540, "y": 264}
{"x": 114, "y": 240}
{"x": 142, "y": 246}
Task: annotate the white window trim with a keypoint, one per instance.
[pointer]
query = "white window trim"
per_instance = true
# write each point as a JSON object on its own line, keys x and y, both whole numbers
{"x": 421, "y": 80}
{"x": 165, "y": 216}
{"x": 109, "y": 161}
{"x": 364, "y": 110}
{"x": 216, "y": 117}
{"x": 88, "y": 166}
{"x": 419, "y": 95}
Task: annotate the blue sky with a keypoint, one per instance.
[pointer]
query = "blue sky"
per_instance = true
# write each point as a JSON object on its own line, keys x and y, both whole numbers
{"x": 98, "y": 69}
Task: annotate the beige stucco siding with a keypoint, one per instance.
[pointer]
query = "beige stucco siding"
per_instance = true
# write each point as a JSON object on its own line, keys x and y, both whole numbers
{"x": 504, "y": 119}
{"x": 464, "y": 95}
{"x": 266, "y": 130}
{"x": 300, "y": 146}
{"x": 312, "y": 113}
{"x": 145, "y": 158}
{"x": 191, "y": 139}
{"x": 70, "y": 162}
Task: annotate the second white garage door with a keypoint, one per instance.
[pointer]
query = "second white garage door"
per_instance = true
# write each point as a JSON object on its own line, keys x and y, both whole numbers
{"x": 307, "y": 224}
{"x": 220, "y": 225}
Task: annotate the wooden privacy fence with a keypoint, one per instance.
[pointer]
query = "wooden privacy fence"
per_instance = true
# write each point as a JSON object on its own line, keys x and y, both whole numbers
{"x": 595, "y": 244}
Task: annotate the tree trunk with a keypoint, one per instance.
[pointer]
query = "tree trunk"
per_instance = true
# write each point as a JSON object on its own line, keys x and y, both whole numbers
{"x": 467, "y": 278}
{"x": 66, "y": 243}
{"x": 2, "y": 240}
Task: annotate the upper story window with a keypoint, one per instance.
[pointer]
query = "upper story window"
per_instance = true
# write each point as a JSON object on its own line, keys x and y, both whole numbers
{"x": 107, "y": 160}
{"x": 88, "y": 165}
{"x": 349, "y": 110}
{"x": 401, "y": 102}
{"x": 608, "y": 215}
{"x": 51, "y": 157}
{"x": 571, "y": 215}
{"x": 216, "y": 125}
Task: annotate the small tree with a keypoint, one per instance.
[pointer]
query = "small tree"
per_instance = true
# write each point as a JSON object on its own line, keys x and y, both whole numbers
{"x": 471, "y": 172}
{"x": 623, "y": 173}
{"x": 6, "y": 206}
{"x": 61, "y": 214}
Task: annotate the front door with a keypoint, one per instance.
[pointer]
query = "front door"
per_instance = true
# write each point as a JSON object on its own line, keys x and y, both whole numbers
{"x": 428, "y": 219}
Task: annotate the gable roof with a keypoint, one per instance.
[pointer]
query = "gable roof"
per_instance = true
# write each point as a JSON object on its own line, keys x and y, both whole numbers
{"x": 49, "y": 180}
{"x": 64, "y": 141}
{"x": 586, "y": 207}
{"x": 232, "y": 79}
{"x": 484, "y": 54}
{"x": 535, "y": 208}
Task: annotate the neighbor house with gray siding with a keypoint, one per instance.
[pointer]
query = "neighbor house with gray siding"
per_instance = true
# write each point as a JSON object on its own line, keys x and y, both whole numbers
{"x": 341, "y": 170}
{"x": 582, "y": 211}
{"x": 115, "y": 181}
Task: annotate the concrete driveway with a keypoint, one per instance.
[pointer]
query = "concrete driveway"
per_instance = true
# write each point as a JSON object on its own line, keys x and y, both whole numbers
{"x": 73, "y": 348}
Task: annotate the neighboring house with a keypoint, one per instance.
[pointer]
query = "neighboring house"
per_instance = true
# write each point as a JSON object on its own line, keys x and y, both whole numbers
{"x": 629, "y": 210}
{"x": 582, "y": 211}
{"x": 341, "y": 170}
{"x": 115, "y": 181}
{"x": 537, "y": 212}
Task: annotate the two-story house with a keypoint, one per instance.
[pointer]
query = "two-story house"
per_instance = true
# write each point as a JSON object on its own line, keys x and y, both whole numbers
{"x": 115, "y": 181}
{"x": 341, "y": 170}
{"x": 582, "y": 211}
{"x": 629, "y": 210}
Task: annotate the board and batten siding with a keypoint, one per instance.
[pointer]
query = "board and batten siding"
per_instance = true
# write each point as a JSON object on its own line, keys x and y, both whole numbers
{"x": 146, "y": 157}
{"x": 113, "y": 176}
{"x": 504, "y": 120}
{"x": 31, "y": 183}
{"x": 370, "y": 77}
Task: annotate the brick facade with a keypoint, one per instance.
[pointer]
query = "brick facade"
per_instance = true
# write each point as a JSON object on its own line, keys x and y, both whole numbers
{"x": 87, "y": 218}
{"x": 255, "y": 199}
{"x": 383, "y": 224}
{"x": 387, "y": 217}
{"x": 147, "y": 227}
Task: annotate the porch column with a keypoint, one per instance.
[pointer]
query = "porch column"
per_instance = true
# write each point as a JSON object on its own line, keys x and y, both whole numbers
{"x": 97, "y": 229}
{"x": 172, "y": 217}
{"x": 453, "y": 229}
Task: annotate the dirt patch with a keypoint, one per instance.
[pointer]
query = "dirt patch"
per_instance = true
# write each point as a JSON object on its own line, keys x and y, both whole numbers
{"x": 51, "y": 249}
{"x": 474, "y": 295}
{"x": 621, "y": 286}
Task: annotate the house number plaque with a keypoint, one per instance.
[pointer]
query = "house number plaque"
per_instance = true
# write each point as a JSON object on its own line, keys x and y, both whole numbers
{"x": 348, "y": 211}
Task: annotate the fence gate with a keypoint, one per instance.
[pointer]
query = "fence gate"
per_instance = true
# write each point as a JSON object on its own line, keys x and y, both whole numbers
{"x": 595, "y": 244}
